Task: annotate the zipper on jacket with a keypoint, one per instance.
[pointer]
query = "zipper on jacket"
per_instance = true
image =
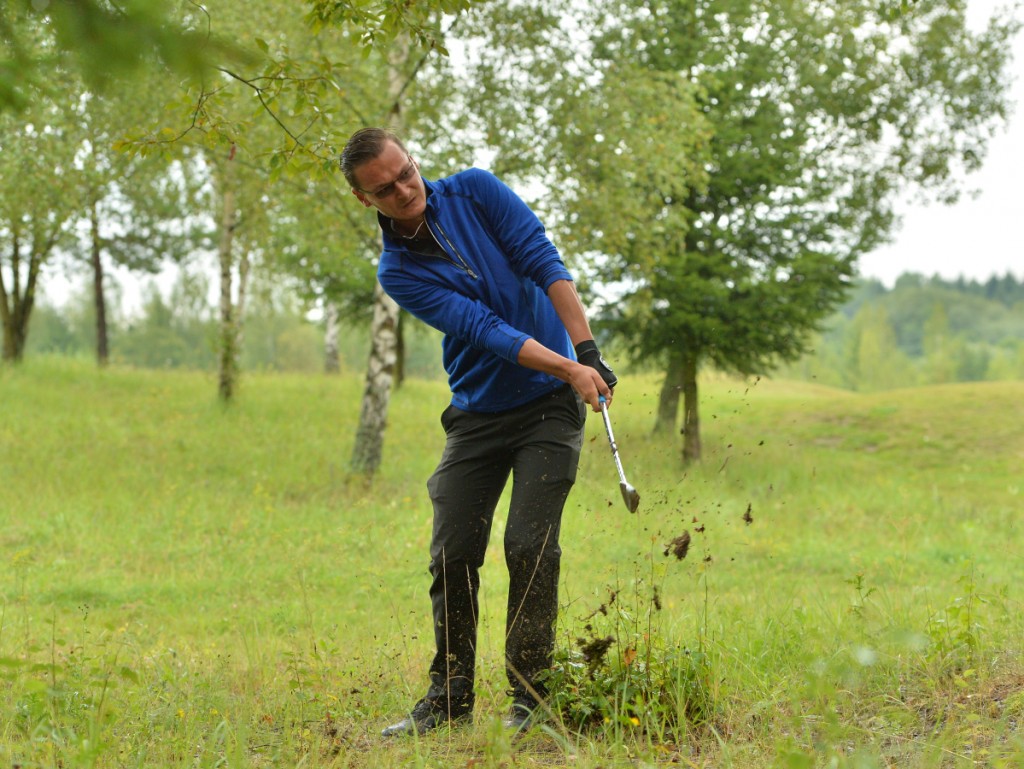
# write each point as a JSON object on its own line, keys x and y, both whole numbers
{"x": 463, "y": 264}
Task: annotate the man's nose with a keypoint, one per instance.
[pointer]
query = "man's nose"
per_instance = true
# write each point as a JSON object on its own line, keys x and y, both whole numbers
{"x": 405, "y": 189}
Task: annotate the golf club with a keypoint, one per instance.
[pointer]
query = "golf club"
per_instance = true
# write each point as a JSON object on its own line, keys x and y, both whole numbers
{"x": 629, "y": 494}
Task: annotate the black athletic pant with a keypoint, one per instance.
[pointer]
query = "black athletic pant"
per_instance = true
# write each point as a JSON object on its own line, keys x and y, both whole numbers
{"x": 539, "y": 445}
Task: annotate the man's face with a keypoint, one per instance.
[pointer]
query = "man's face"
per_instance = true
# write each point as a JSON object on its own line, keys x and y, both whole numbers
{"x": 391, "y": 183}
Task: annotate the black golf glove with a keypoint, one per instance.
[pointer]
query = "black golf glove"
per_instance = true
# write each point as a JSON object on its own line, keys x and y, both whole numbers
{"x": 588, "y": 354}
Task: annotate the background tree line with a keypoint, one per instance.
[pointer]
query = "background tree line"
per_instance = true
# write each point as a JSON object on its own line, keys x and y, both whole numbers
{"x": 711, "y": 169}
{"x": 178, "y": 329}
{"x": 921, "y": 331}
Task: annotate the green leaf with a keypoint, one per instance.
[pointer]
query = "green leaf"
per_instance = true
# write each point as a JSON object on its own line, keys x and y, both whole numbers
{"x": 128, "y": 674}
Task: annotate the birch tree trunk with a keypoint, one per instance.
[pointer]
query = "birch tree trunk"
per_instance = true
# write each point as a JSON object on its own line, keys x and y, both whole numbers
{"x": 691, "y": 420}
{"x": 367, "y": 453}
{"x": 9, "y": 302}
{"x": 332, "y": 362}
{"x": 400, "y": 351}
{"x": 244, "y": 265}
{"x": 16, "y": 304}
{"x": 369, "y": 445}
{"x": 227, "y": 373}
{"x": 99, "y": 300}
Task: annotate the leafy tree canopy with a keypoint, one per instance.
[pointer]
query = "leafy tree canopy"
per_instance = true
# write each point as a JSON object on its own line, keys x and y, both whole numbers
{"x": 100, "y": 40}
{"x": 790, "y": 126}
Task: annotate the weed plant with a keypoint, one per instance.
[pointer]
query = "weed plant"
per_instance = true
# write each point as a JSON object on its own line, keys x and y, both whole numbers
{"x": 620, "y": 678}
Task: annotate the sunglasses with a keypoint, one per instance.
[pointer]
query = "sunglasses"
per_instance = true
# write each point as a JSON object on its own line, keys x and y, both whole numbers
{"x": 403, "y": 178}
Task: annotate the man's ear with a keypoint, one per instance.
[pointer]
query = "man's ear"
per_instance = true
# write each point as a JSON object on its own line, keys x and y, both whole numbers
{"x": 362, "y": 198}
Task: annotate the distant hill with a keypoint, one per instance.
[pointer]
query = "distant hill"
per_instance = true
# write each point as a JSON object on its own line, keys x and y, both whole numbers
{"x": 921, "y": 331}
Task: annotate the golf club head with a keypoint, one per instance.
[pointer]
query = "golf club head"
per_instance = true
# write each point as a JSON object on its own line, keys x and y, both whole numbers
{"x": 630, "y": 496}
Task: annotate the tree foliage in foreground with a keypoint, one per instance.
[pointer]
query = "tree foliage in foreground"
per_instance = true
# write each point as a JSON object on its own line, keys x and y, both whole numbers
{"x": 816, "y": 114}
{"x": 99, "y": 41}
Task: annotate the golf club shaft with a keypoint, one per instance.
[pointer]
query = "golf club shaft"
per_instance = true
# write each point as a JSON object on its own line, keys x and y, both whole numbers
{"x": 611, "y": 440}
{"x": 629, "y": 494}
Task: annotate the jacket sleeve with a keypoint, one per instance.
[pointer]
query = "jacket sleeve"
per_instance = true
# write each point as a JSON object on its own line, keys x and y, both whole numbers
{"x": 517, "y": 230}
{"x": 454, "y": 314}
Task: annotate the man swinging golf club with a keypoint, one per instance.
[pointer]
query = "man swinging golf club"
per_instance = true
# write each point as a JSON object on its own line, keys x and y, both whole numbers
{"x": 467, "y": 256}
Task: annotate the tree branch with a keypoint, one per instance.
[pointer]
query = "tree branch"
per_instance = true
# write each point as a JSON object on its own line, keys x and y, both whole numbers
{"x": 396, "y": 103}
{"x": 259, "y": 94}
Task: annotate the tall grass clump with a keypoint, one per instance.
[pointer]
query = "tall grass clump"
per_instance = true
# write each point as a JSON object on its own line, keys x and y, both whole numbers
{"x": 620, "y": 676}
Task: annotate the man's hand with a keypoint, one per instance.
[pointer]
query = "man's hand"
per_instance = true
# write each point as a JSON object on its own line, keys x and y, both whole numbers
{"x": 587, "y": 382}
{"x": 588, "y": 354}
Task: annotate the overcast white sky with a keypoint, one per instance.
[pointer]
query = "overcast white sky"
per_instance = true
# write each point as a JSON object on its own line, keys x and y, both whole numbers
{"x": 979, "y": 236}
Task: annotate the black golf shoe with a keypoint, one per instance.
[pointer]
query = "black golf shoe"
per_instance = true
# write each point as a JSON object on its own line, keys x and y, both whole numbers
{"x": 522, "y": 716}
{"x": 428, "y": 715}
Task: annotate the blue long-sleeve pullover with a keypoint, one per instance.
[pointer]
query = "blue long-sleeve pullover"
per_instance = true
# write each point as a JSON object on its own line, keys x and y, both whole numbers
{"x": 485, "y": 289}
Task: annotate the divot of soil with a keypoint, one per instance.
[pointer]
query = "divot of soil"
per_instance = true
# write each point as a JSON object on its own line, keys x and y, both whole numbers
{"x": 595, "y": 649}
{"x": 679, "y": 546}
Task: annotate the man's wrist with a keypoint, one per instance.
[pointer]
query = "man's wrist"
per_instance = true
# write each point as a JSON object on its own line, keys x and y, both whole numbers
{"x": 588, "y": 354}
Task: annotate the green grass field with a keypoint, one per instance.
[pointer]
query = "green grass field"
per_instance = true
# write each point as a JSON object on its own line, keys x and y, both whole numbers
{"x": 187, "y": 585}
